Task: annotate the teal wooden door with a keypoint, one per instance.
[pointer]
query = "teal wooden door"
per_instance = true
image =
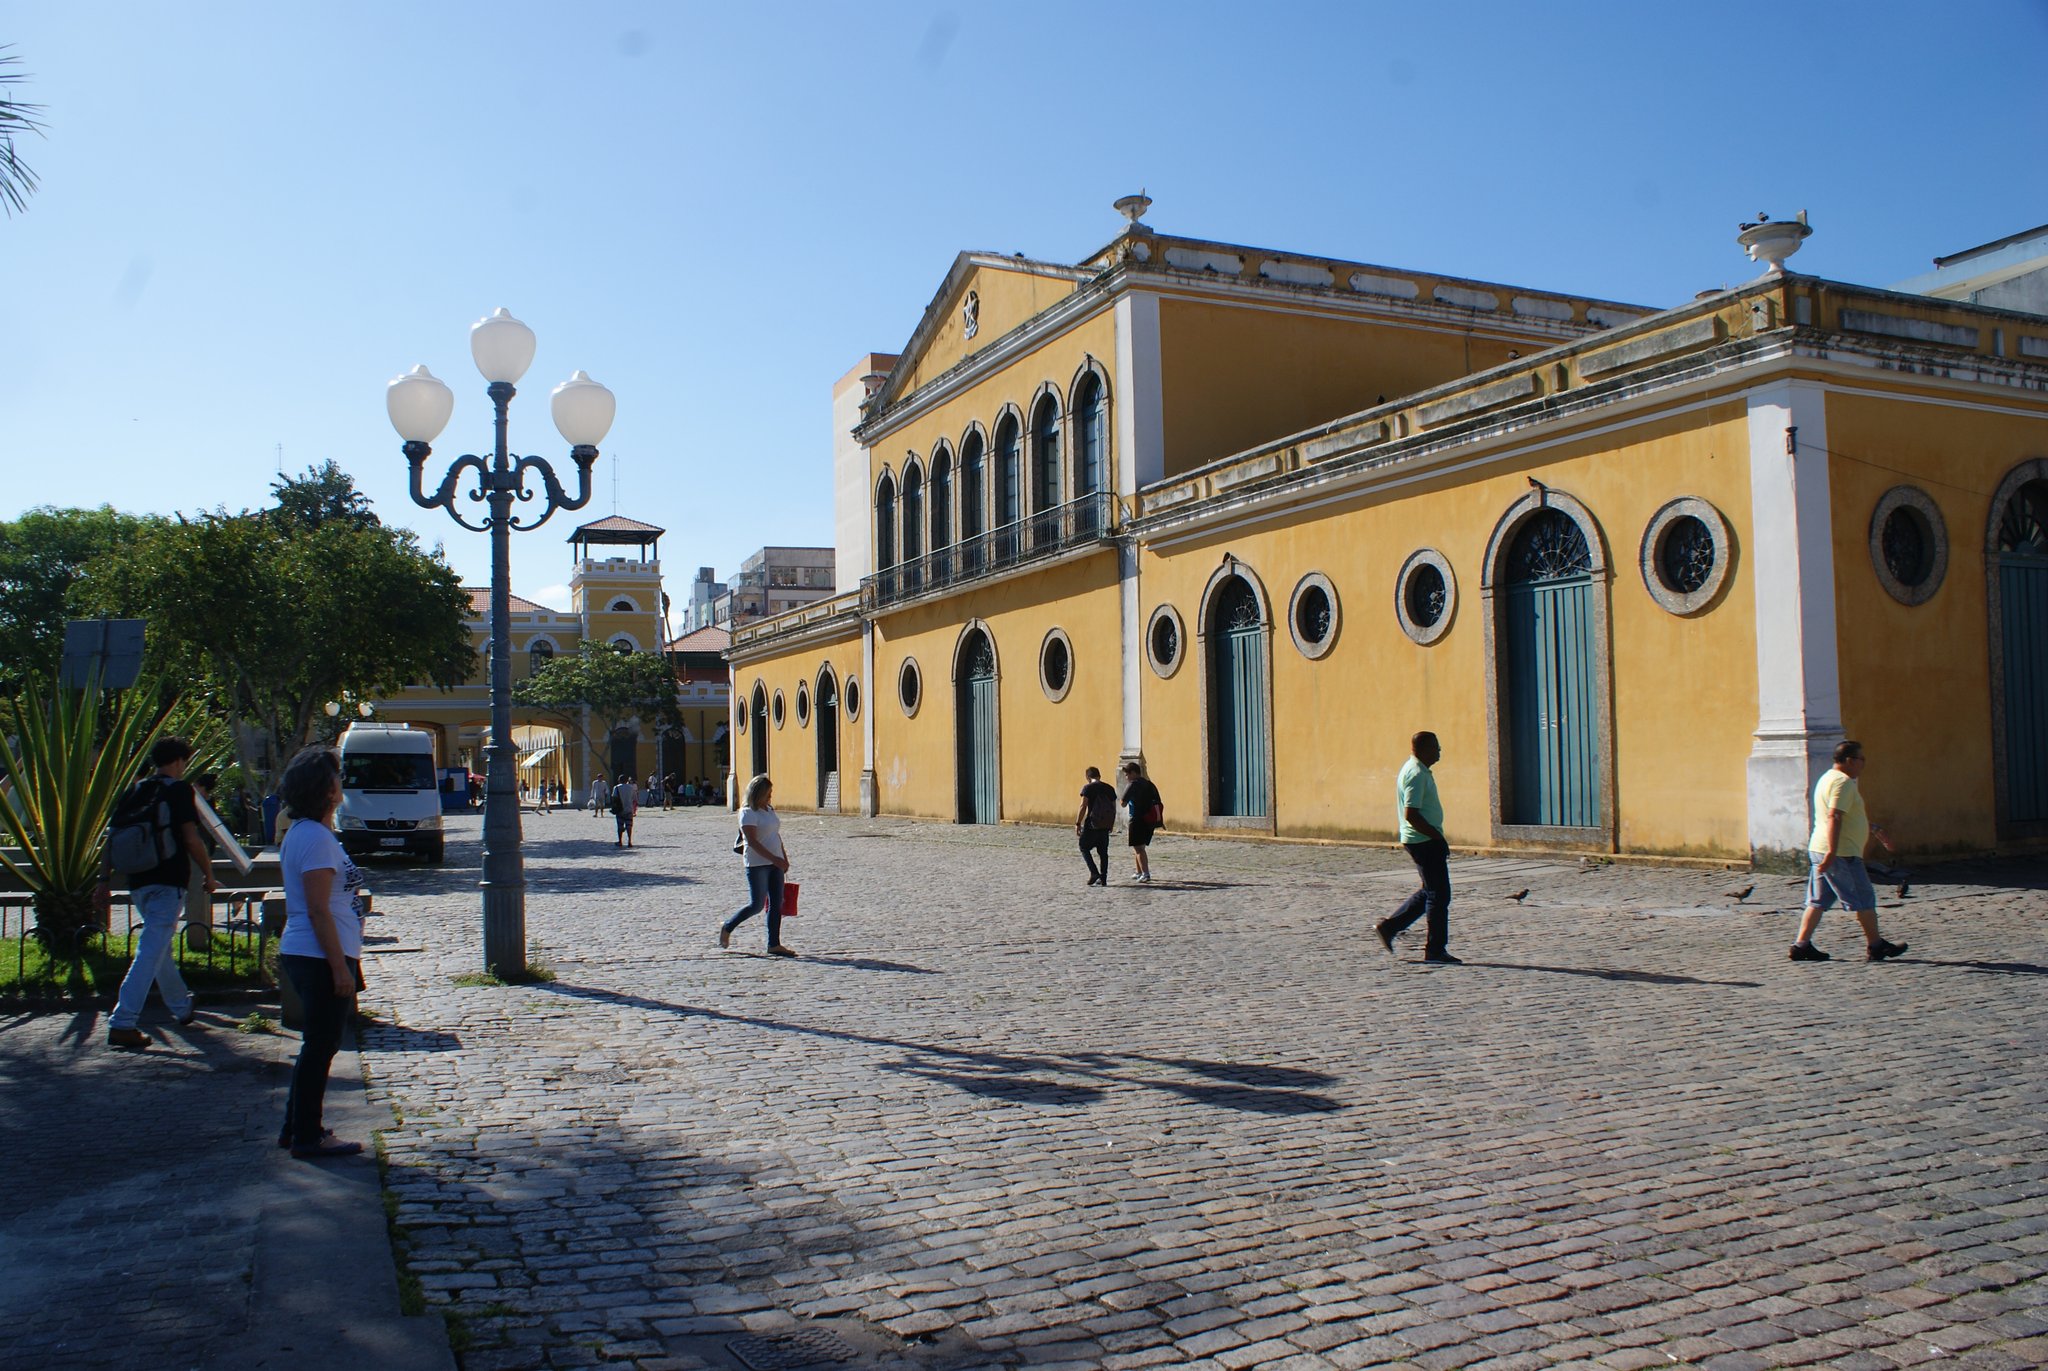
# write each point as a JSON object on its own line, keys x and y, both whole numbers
{"x": 975, "y": 731}
{"x": 1237, "y": 714}
{"x": 1552, "y": 714}
{"x": 2023, "y": 642}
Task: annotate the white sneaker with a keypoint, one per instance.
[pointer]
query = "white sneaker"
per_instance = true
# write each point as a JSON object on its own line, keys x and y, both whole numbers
{"x": 1144, "y": 878}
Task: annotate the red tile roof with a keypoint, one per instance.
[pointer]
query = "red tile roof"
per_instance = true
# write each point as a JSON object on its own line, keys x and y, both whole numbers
{"x": 711, "y": 639}
{"x": 480, "y": 603}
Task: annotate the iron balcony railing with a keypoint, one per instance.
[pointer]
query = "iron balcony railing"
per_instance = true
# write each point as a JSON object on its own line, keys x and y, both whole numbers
{"x": 1034, "y": 538}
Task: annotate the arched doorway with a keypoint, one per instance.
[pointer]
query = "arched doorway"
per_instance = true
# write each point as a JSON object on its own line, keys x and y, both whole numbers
{"x": 825, "y": 707}
{"x": 974, "y": 724}
{"x": 1549, "y": 675}
{"x": 2018, "y": 571}
{"x": 624, "y": 751}
{"x": 757, "y": 730}
{"x": 1238, "y": 726}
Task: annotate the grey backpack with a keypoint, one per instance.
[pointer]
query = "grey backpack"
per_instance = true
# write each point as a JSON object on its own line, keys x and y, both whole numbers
{"x": 141, "y": 838}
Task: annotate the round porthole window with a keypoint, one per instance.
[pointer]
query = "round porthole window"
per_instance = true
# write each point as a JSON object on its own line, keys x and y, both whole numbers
{"x": 909, "y": 686}
{"x": 740, "y": 717}
{"x": 1312, "y": 618}
{"x": 853, "y": 697}
{"x": 803, "y": 706}
{"x": 1056, "y": 665}
{"x": 1908, "y": 545}
{"x": 1165, "y": 641}
{"x": 1685, "y": 555}
{"x": 1425, "y": 596}
{"x": 778, "y": 710}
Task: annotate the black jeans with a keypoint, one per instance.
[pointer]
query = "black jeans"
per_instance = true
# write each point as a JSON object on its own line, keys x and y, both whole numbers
{"x": 764, "y": 887}
{"x": 326, "y": 1014}
{"x": 1094, "y": 843}
{"x": 1433, "y": 901}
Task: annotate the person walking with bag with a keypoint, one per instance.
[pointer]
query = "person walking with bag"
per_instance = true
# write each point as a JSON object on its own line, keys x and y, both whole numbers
{"x": 767, "y": 864}
{"x": 1841, "y": 830}
{"x": 321, "y": 949}
{"x": 600, "y": 796}
{"x": 160, "y": 806}
{"x": 1148, "y": 812}
{"x": 625, "y": 804}
{"x": 1094, "y": 824}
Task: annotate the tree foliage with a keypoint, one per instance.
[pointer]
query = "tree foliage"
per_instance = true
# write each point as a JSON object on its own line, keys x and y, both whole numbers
{"x": 615, "y": 687}
{"x": 43, "y": 554}
{"x": 281, "y": 610}
{"x": 17, "y": 181}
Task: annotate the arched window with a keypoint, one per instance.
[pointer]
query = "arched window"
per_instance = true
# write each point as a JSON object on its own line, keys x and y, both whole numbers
{"x": 1045, "y": 455}
{"x": 942, "y": 500}
{"x": 624, "y": 607}
{"x": 1009, "y": 490}
{"x": 1091, "y": 443}
{"x": 885, "y": 524}
{"x": 971, "y": 491}
{"x": 913, "y": 520}
{"x": 913, "y": 514}
{"x": 540, "y": 654}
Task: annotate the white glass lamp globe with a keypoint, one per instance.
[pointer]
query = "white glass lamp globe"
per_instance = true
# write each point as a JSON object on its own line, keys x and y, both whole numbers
{"x": 366, "y": 709}
{"x": 583, "y": 410}
{"x": 419, "y": 404}
{"x": 502, "y": 347}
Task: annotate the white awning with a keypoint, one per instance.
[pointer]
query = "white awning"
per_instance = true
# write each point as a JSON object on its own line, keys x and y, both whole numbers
{"x": 536, "y": 758}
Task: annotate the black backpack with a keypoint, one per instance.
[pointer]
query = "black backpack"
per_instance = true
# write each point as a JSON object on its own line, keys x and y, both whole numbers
{"x": 1102, "y": 809}
{"x": 140, "y": 838}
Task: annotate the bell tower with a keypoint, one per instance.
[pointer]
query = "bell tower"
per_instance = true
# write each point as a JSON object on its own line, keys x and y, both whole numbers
{"x": 615, "y": 583}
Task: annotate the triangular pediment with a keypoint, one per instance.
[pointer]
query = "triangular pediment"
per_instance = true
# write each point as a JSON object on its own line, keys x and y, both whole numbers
{"x": 985, "y": 296}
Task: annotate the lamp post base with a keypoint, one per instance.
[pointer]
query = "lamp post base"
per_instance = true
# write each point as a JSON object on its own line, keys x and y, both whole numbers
{"x": 505, "y": 930}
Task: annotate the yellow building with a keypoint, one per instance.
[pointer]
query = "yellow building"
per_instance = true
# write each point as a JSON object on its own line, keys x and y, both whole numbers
{"x": 1252, "y": 518}
{"x": 615, "y": 597}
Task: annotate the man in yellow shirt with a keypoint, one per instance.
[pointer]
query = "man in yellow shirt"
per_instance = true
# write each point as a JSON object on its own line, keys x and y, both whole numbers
{"x": 1841, "y": 830}
{"x": 1421, "y": 816}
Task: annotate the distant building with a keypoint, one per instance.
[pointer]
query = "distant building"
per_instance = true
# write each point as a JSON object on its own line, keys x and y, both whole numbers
{"x": 615, "y": 597}
{"x": 703, "y": 751}
{"x": 774, "y": 580}
{"x": 2011, "y": 273}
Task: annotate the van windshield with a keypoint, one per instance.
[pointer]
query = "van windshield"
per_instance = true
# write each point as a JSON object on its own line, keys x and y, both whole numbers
{"x": 387, "y": 771}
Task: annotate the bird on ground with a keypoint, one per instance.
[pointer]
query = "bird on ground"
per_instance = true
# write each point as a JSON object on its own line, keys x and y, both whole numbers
{"x": 1519, "y": 896}
{"x": 1740, "y": 895}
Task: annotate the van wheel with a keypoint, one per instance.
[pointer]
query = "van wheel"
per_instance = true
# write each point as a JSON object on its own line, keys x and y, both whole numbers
{"x": 436, "y": 852}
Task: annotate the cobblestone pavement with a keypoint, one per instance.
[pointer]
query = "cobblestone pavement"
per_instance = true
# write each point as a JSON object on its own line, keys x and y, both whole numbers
{"x": 992, "y": 1118}
{"x": 131, "y": 1206}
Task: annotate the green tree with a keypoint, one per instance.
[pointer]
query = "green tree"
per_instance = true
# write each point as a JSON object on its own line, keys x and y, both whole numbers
{"x": 601, "y": 689}
{"x": 43, "y": 554}
{"x": 278, "y": 613}
{"x": 324, "y": 495}
{"x": 17, "y": 182}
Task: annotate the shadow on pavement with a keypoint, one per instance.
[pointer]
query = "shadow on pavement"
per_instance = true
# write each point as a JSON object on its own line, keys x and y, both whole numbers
{"x": 981, "y": 1073}
{"x": 1609, "y": 973}
{"x": 1983, "y": 968}
{"x": 868, "y": 964}
{"x": 377, "y": 1036}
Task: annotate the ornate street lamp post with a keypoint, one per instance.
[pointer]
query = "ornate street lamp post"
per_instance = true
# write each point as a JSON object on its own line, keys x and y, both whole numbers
{"x": 419, "y": 405}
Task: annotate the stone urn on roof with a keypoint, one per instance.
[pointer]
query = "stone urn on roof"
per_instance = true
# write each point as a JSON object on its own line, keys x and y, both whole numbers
{"x": 1772, "y": 241}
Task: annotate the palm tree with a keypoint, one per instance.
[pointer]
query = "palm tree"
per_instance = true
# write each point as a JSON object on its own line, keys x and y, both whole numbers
{"x": 17, "y": 182}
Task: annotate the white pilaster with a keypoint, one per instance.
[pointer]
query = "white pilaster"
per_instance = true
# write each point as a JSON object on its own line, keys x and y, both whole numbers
{"x": 1139, "y": 407}
{"x": 1799, "y": 698}
{"x": 1140, "y": 398}
{"x": 870, "y": 801}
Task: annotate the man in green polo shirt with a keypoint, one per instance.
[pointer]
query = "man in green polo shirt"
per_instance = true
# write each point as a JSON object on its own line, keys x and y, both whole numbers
{"x": 1422, "y": 817}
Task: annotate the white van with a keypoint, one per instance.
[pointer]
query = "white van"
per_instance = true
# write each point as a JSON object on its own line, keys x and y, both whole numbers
{"x": 390, "y": 792}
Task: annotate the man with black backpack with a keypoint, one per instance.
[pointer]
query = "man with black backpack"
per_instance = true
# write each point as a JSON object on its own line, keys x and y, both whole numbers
{"x": 153, "y": 842}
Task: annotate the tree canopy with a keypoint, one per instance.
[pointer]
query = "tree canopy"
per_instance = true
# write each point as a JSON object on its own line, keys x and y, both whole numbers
{"x": 278, "y": 611}
{"x": 615, "y": 687}
{"x": 43, "y": 555}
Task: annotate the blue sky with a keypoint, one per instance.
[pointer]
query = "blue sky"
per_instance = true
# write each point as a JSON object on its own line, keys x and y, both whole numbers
{"x": 253, "y": 216}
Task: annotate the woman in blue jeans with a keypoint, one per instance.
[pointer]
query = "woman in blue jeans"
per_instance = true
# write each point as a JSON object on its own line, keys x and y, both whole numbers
{"x": 767, "y": 862}
{"x": 322, "y": 946}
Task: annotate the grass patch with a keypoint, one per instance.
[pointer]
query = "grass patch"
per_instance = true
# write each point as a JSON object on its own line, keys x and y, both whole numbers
{"x": 459, "y": 1336}
{"x": 534, "y": 973}
{"x": 412, "y": 1299}
{"x": 28, "y": 972}
{"x": 256, "y": 1021}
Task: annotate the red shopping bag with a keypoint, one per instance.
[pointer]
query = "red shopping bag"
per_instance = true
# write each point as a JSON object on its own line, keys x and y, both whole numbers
{"x": 789, "y": 889}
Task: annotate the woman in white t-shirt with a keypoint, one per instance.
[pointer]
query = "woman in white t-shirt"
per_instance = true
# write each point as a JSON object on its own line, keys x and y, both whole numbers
{"x": 767, "y": 862}
{"x": 322, "y": 946}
